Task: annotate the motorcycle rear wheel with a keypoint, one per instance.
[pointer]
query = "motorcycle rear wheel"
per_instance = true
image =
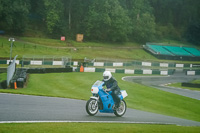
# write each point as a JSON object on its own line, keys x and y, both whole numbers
{"x": 92, "y": 107}
{"x": 120, "y": 111}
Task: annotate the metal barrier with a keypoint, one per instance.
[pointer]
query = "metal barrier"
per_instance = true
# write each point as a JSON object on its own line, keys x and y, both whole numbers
{"x": 37, "y": 60}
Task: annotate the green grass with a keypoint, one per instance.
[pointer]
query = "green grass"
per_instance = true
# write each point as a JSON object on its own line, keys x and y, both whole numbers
{"x": 3, "y": 76}
{"x": 23, "y": 48}
{"x": 178, "y": 85}
{"x": 39, "y": 47}
{"x": 43, "y": 46}
{"x": 44, "y": 41}
{"x": 57, "y": 43}
{"x": 78, "y": 85}
{"x": 93, "y": 128}
{"x": 196, "y": 81}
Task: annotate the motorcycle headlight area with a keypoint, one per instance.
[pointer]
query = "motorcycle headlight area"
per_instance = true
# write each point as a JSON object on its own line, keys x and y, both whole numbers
{"x": 94, "y": 90}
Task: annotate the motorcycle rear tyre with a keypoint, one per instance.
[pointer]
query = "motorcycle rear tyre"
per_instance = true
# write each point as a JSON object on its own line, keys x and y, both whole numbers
{"x": 119, "y": 112}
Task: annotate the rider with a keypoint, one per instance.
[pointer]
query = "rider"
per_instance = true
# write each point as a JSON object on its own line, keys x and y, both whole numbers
{"x": 112, "y": 85}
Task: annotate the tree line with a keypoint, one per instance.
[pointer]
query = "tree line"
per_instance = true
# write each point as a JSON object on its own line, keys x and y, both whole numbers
{"x": 104, "y": 20}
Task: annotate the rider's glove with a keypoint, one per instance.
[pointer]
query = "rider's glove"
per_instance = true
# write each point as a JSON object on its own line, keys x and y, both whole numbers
{"x": 107, "y": 90}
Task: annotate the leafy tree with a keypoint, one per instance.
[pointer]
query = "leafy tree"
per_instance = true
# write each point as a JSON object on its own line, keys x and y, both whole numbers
{"x": 142, "y": 19}
{"x": 144, "y": 28}
{"x": 74, "y": 16}
{"x": 53, "y": 10}
{"x": 107, "y": 21}
{"x": 175, "y": 15}
{"x": 1, "y": 7}
{"x": 193, "y": 33}
{"x": 13, "y": 15}
{"x": 104, "y": 20}
{"x": 37, "y": 10}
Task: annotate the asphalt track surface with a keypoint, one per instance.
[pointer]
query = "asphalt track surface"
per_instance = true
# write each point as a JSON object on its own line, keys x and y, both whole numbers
{"x": 16, "y": 108}
{"x": 160, "y": 82}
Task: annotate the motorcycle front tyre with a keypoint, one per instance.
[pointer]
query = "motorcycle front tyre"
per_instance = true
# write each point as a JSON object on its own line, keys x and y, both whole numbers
{"x": 91, "y": 108}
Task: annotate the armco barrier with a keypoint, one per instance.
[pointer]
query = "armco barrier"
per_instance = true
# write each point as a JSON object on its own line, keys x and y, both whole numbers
{"x": 193, "y": 72}
{"x": 125, "y": 71}
{"x": 49, "y": 70}
{"x": 138, "y": 63}
{"x": 105, "y": 64}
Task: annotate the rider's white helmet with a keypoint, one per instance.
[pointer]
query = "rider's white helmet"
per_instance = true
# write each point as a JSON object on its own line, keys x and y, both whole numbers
{"x": 107, "y": 75}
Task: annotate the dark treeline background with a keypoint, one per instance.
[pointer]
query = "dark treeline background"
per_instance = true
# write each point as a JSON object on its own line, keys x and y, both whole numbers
{"x": 103, "y": 20}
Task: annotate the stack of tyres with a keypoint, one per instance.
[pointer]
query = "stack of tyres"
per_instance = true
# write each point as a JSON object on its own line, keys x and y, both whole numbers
{"x": 23, "y": 74}
{"x": 19, "y": 77}
{"x": 20, "y": 82}
{"x": 12, "y": 83}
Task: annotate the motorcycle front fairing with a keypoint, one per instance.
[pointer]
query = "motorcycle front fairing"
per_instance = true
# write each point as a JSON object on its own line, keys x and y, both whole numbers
{"x": 104, "y": 97}
{"x": 107, "y": 101}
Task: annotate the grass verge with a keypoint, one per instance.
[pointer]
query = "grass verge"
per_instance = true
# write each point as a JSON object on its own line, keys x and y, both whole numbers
{"x": 3, "y": 76}
{"x": 93, "y": 128}
{"x": 178, "y": 85}
{"x": 77, "y": 86}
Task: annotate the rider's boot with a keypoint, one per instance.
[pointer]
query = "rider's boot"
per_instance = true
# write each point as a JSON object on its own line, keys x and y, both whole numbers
{"x": 117, "y": 105}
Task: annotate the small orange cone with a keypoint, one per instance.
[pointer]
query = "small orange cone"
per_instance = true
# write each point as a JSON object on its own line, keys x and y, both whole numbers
{"x": 81, "y": 69}
{"x": 15, "y": 85}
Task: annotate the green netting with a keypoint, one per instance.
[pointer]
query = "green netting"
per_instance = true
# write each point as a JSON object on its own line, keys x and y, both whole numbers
{"x": 177, "y": 50}
{"x": 174, "y": 50}
{"x": 193, "y": 51}
{"x": 160, "y": 49}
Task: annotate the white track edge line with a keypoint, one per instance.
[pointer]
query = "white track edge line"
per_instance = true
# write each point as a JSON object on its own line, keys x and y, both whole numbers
{"x": 125, "y": 122}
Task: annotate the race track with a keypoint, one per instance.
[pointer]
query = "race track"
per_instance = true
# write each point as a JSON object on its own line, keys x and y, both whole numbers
{"x": 26, "y": 108}
{"x": 159, "y": 82}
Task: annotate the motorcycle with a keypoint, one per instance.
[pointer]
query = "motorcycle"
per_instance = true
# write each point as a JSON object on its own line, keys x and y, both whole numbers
{"x": 103, "y": 102}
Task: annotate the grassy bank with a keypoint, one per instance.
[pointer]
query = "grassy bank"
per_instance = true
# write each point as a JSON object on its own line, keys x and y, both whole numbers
{"x": 38, "y": 46}
{"x": 77, "y": 86}
{"x": 93, "y": 128}
{"x": 76, "y": 50}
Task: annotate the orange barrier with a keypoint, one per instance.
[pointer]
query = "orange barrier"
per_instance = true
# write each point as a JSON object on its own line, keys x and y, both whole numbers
{"x": 81, "y": 69}
{"x": 15, "y": 85}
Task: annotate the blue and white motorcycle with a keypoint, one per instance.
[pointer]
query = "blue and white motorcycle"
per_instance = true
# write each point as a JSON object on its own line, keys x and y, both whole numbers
{"x": 103, "y": 102}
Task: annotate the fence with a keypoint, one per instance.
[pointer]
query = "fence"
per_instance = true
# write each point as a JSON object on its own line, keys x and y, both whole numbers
{"x": 133, "y": 64}
{"x": 52, "y": 61}
{"x": 34, "y": 61}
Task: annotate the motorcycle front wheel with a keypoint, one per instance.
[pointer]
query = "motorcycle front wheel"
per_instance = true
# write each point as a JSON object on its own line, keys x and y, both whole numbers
{"x": 92, "y": 107}
{"x": 121, "y": 110}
